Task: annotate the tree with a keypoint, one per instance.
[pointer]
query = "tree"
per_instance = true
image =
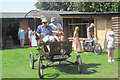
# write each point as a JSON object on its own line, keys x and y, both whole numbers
{"x": 52, "y": 5}
{"x": 80, "y": 6}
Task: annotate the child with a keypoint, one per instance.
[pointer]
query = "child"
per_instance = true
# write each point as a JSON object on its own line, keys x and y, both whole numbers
{"x": 77, "y": 46}
{"x": 111, "y": 46}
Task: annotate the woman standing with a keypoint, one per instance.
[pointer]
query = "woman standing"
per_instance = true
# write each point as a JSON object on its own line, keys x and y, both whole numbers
{"x": 77, "y": 44}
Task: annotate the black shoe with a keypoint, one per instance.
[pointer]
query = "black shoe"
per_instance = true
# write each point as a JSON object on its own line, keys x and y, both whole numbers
{"x": 76, "y": 62}
{"x": 38, "y": 48}
{"x": 37, "y": 54}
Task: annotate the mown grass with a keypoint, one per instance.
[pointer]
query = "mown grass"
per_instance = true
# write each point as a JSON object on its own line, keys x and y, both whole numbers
{"x": 15, "y": 64}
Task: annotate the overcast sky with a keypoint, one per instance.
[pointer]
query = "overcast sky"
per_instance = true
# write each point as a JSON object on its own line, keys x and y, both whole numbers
{"x": 17, "y": 5}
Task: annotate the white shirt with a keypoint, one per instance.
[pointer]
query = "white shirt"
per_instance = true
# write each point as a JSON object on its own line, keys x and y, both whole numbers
{"x": 88, "y": 35}
{"x": 55, "y": 26}
{"x": 111, "y": 42}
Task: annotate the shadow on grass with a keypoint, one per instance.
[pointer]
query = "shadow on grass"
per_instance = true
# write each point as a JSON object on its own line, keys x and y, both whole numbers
{"x": 52, "y": 75}
{"x": 48, "y": 75}
{"x": 16, "y": 47}
{"x": 72, "y": 69}
{"x": 104, "y": 52}
{"x": 81, "y": 51}
{"x": 35, "y": 68}
{"x": 86, "y": 68}
{"x": 117, "y": 59}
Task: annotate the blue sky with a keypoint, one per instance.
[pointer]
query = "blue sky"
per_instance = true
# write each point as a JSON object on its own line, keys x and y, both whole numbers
{"x": 17, "y": 5}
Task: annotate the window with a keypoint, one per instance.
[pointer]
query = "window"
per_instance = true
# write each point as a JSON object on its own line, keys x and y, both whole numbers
{"x": 82, "y": 23}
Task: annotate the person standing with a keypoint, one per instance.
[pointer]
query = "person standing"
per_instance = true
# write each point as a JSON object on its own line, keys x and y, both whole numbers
{"x": 111, "y": 46}
{"x": 57, "y": 27}
{"x": 21, "y": 37}
{"x": 77, "y": 44}
{"x": 90, "y": 32}
{"x": 30, "y": 33}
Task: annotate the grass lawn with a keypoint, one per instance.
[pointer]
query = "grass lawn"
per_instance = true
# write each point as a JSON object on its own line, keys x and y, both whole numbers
{"x": 15, "y": 64}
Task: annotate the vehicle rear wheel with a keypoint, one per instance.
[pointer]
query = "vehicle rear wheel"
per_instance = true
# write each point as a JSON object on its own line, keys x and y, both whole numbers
{"x": 40, "y": 68}
{"x": 31, "y": 59}
{"x": 98, "y": 49}
{"x": 79, "y": 64}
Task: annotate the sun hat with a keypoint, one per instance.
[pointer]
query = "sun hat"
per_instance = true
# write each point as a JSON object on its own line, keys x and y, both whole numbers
{"x": 53, "y": 19}
{"x": 111, "y": 33}
{"x": 92, "y": 24}
{"x": 44, "y": 20}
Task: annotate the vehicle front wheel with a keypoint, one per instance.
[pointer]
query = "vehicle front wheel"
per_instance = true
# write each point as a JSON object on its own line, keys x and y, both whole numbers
{"x": 40, "y": 68}
{"x": 31, "y": 59}
{"x": 79, "y": 64}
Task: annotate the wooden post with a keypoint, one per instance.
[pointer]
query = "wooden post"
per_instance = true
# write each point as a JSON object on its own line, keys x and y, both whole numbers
{"x": 34, "y": 23}
{"x": 95, "y": 28}
{"x": 105, "y": 25}
{"x": 72, "y": 27}
{"x": 105, "y": 45}
{"x": 65, "y": 29}
{"x": 68, "y": 29}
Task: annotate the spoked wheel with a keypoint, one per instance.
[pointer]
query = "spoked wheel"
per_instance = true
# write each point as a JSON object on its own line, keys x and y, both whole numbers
{"x": 84, "y": 45}
{"x": 31, "y": 60}
{"x": 79, "y": 64}
{"x": 90, "y": 48}
{"x": 87, "y": 47}
{"x": 40, "y": 68}
{"x": 97, "y": 49}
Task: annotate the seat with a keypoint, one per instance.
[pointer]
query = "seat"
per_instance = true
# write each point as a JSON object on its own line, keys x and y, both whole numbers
{"x": 45, "y": 48}
{"x": 89, "y": 41}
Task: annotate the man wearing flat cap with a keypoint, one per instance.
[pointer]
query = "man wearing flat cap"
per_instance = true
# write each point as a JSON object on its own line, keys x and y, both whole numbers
{"x": 46, "y": 31}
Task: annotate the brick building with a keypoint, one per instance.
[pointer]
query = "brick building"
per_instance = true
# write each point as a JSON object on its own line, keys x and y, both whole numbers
{"x": 11, "y": 21}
